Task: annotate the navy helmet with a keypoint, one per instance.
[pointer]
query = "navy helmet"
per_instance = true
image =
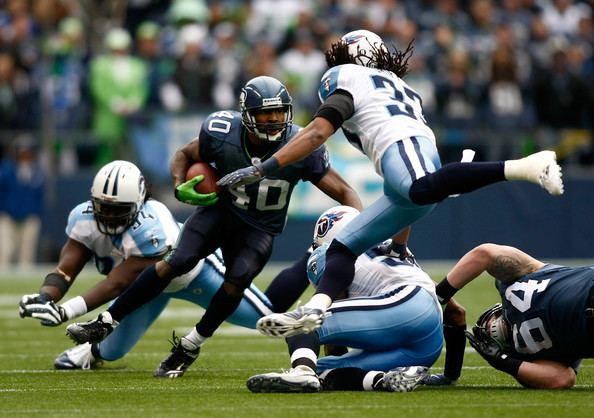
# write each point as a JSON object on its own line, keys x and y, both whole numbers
{"x": 264, "y": 93}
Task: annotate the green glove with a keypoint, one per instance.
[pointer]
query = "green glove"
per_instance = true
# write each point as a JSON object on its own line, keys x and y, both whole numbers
{"x": 185, "y": 193}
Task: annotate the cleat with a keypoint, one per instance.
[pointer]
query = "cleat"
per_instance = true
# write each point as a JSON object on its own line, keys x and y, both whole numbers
{"x": 542, "y": 168}
{"x": 437, "y": 380}
{"x": 302, "y": 320}
{"x": 404, "y": 379}
{"x": 92, "y": 331}
{"x": 183, "y": 354}
{"x": 79, "y": 357}
{"x": 301, "y": 379}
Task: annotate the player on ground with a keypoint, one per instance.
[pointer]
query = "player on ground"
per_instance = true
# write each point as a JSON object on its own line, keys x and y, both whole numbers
{"x": 124, "y": 231}
{"x": 242, "y": 222}
{"x": 389, "y": 315}
{"x": 364, "y": 93}
{"x": 544, "y": 325}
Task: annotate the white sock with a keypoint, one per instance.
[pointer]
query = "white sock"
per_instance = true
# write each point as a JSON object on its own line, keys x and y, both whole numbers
{"x": 196, "y": 339}
{"x": 515, "y": 170}
{"x": 369, "y": 378}
{"x": 319, "y": 301}
{"x": 304, "y": 353}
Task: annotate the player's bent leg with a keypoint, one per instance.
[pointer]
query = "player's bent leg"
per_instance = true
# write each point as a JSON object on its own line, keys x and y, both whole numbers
{"x": 132, "y": 329}
{"x": 300, "y": 379}
{"x": 201, "y": 290}
{"x": 183, "y": 354}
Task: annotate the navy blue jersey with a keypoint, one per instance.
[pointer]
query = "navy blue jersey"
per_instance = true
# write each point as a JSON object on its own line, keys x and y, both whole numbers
{"x": 546, "y": 312}
{"x": 262, "y": 205}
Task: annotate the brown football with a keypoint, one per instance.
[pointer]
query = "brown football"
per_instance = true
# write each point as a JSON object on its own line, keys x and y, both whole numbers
{"x": 209, "y": 184}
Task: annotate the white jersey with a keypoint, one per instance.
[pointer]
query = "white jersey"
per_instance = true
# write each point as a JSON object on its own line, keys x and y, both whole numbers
{"x": 153, "y": 233}
{"x": 386, "y": 109}
{"x": 375, "y": 273}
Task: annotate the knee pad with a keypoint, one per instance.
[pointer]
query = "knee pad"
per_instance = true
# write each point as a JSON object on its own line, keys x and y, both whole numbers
{"x": 181, "y": 261}
{"x": 424, "y": 191}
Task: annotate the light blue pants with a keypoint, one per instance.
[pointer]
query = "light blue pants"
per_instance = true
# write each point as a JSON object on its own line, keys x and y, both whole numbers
{"x": 402, "y": 163}
{"x": 200, "y": 291}
{"x": 386, "y": 331}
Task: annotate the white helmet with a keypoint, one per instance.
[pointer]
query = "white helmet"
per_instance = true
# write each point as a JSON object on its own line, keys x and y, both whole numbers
{"x": 331, "y": 222}
{"x": 117, "y": 195}
{"x": 362, "y": 44}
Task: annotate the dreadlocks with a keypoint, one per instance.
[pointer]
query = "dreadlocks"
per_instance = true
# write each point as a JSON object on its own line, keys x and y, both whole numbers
{"x": 396, "y": 62}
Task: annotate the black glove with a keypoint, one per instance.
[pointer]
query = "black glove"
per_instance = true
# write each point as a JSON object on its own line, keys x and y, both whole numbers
{"x": 488, "y": 348}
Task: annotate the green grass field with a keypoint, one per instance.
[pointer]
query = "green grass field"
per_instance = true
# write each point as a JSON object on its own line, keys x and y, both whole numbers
{"x": 215, "y": 385}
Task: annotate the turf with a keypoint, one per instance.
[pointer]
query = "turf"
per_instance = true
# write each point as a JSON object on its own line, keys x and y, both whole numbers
{"x": 215, "y": 385}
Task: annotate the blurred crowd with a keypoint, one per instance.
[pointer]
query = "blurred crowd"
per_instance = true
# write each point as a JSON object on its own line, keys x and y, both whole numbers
{"x": 515, "y": 74}
{"x": 77, "y": 65}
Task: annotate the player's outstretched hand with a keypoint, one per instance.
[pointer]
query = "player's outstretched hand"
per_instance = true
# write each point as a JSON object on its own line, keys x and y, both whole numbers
{"x": 243, "y": 176}
{"x": 186, "y": 193}
{"x": 41, "y": 307}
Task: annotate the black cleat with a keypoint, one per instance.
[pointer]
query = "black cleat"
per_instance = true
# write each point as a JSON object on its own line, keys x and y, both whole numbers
{"x": 179, "y": 360}
{"x": 92, "y": 331}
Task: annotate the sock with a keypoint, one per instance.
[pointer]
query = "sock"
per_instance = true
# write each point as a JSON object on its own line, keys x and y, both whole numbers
{"x": 304, "y": 357}
{"x": 95, "y": 351}
{"x": 195, "y": 338}
{"x": 445, "y": 291}
{"x": 221, "y": 306}
{"x": 372, "y": 380}
{"x": 339, "y": 271}
{"x": 319, "y": 301}
{"x": 455, "y": 178}
{"x": 145, "y": 288}
{"x": 346, "y": 378}
{"x": 309, "y": 342}
{"x": 517, "y": 170}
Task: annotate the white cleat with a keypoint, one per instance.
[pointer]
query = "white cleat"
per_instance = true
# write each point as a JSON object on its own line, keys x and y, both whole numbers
{"x": 302, "y": 320}
{"x": 405, "y": 379}
{"x": 79, "y": 357}
{"x": 542, "y": 168}
{"x": 301, "y": 379}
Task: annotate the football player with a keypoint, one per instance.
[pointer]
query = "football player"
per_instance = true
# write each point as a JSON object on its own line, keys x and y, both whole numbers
{"x": 124, "y": 231}
{"x": 242, "y": 222}
{"x": 544, "y": 324}
{"x": 389, "y": 316}
{"x": 364, "y": 93}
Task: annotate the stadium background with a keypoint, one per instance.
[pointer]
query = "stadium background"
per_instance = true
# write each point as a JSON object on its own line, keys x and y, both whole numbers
{"x": 502, "y": 77}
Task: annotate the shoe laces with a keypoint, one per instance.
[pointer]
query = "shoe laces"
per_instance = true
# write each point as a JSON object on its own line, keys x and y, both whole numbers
{"x": 179, "y": 354}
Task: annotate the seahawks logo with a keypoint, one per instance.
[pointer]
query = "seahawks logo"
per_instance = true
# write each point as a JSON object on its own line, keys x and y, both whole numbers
{"x": 326, "y": 223}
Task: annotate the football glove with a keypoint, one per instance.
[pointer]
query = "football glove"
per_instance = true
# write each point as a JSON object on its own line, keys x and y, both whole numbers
{"x": 41, "y": 307}
{"x": 243, "y": 176}
{"x": 488, "y": 348}
{"x": 186, "y": 193}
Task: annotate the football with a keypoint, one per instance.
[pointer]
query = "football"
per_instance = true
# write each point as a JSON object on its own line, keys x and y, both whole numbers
{"x": 209, "y": 184}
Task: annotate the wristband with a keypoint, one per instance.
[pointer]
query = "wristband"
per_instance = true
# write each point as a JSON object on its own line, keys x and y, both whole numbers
{"x": 445, "y": 291}
{"x": 57, "y": 280}
{"x": 267, "y": 167}
{"x": 506, "y": 364}
{"x": 75, "y": 307}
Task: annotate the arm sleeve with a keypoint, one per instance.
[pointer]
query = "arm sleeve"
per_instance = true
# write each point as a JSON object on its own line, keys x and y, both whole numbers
{"x": 337, "y": 108}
